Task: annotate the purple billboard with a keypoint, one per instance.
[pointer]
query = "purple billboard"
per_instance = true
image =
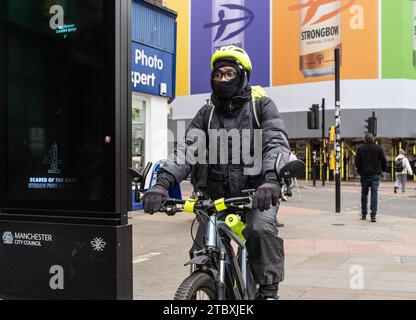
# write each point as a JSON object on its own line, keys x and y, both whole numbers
{"x": 216, "y": 23}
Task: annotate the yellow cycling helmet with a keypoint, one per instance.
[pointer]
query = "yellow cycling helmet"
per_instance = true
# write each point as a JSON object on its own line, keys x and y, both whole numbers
{"x": 233, "y": 52}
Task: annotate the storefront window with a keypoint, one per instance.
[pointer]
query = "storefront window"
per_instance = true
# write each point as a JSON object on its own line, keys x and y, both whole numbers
{"x": 57, "y": 110}
{"x": 139, "y": 127}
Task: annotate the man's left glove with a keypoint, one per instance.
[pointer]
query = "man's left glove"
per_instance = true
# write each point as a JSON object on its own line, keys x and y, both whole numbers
{"x": 266, "y": 195}
{"x": 152, "y": 199}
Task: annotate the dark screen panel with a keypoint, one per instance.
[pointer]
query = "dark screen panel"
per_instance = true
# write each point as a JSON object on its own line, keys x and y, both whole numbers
{"x": 57, "y": 85}
{"x": 3, "y": 110}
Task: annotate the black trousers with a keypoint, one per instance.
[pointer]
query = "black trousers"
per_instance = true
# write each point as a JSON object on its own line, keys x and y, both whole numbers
{"x": 265, "y": 248}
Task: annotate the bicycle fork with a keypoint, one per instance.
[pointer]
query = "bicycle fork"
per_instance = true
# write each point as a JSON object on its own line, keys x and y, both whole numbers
{"x": 211, "y": 242}
{"x": 221, "y": 283}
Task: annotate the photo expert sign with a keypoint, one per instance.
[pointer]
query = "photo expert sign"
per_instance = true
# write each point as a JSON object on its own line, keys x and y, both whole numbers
{"x": 152, "y": 71}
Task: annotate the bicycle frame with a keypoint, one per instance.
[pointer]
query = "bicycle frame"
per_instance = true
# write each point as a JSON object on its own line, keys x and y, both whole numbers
{"x": 239, "y": 279}
{"x": 217, "y": 252}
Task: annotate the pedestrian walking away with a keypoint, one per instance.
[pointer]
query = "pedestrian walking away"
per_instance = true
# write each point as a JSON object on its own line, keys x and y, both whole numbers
{"x": 403, "y": 169}
{"x": 371, "y": 163}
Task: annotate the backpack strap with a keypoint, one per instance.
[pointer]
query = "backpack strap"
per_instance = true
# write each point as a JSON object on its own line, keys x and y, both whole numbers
{"x": 257, "y": 93}
{"x": 208, "y": 117}
{"x": 256, "y": 112}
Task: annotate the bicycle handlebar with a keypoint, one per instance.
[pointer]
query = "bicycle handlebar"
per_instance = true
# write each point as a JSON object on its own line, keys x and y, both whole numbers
{"x": 170, "y": 206}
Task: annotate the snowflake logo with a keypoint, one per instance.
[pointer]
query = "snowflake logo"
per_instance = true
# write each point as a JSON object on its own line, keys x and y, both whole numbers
{"x": 8, "y": 237}
{"x": 98, "y": 244}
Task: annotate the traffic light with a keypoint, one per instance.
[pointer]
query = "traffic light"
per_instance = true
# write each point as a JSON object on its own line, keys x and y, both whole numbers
{"x": 313, "y": 117}
{"x": 372, "y": 125}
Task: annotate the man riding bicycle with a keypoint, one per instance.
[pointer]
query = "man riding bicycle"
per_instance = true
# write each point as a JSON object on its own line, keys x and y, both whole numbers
{"x": 235, "y": 107}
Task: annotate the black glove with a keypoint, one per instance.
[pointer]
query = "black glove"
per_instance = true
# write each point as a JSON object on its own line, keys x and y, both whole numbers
{"x": 152, "y": 199}
{"x": 266, "y": 195}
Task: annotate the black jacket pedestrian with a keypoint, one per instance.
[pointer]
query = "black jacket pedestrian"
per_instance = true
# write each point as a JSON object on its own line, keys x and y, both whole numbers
{"x": 370, "y": 160}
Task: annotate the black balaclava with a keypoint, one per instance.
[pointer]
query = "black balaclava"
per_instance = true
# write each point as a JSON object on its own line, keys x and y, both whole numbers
{"x": 225, "y": 91}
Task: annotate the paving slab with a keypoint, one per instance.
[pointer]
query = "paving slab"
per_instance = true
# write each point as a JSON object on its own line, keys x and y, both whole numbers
{"x": 329, "y": 256}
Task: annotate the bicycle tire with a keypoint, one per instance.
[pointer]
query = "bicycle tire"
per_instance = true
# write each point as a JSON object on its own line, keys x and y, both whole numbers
{"x": 197, "y": 282}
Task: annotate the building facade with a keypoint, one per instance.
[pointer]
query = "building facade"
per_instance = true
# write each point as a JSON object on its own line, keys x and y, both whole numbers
{"x": 153, "y": 79}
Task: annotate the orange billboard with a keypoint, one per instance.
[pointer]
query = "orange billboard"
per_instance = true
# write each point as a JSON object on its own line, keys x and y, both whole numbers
{"x": 306, "y": 32}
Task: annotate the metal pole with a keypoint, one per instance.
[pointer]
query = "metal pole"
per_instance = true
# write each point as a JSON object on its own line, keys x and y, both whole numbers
{"x": 321, "y": 165}
{"x": 414, "y": 156}
{"x": 347, "y": 168}
{"x": 392, "y": 161}
{"x": 337, "y": 132}
{"x": 314, "y": 168}
{"x": 342, "y": 162}
{"x": 307, "y": 163}
{"x": 323, "y": 169}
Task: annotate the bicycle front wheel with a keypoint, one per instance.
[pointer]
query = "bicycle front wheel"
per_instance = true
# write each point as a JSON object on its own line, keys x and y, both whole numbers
{"x": 198, "y": 286}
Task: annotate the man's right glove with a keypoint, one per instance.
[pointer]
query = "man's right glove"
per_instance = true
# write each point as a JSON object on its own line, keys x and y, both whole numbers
{"x": 152, "y": 199}
{"x": 266, "y": 195}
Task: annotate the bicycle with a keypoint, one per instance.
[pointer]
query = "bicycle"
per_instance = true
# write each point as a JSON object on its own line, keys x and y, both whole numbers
{"x": 217, "y": 272}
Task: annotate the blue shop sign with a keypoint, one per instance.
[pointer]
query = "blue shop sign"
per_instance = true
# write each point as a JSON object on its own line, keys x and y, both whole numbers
{"x": 152, "y": 71}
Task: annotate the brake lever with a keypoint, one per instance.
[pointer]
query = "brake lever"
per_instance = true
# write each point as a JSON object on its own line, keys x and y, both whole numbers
{"x": 170, "y": 210}
{"x": 248, "y": 205}
{"x": 245, "y": 206}
{"x": 249, "y": 191}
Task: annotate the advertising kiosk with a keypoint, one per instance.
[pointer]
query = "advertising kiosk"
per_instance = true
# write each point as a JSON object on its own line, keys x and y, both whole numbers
{"x": 65, "y": 132}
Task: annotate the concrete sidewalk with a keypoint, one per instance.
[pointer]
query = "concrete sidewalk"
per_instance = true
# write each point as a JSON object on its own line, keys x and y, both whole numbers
{"x": 328, "y": 255}
{"x": 338, "y": 256}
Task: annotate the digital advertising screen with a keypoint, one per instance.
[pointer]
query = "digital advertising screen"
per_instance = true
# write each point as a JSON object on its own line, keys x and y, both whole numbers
{"x": 57, "y": 104}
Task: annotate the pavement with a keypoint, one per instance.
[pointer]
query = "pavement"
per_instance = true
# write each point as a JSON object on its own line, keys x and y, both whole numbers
{"x": 328, "y": 255}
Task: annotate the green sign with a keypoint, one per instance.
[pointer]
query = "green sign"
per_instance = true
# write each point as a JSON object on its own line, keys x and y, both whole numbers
{"x": 398, "y": 40}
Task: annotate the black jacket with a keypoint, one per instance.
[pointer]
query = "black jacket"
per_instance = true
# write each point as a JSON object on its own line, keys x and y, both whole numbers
{"x": 226, "y": 178}
{"x": 370, "y": 160}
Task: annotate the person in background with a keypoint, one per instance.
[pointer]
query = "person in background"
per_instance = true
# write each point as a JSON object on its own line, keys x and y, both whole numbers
{"x": 370, "y": 162}
{"x": 403, "y": 169}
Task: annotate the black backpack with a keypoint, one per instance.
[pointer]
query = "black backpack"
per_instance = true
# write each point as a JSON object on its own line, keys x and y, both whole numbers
{"x": 398, "y": 165}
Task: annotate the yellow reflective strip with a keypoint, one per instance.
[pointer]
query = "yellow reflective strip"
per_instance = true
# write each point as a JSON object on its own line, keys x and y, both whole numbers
{"x": 220, "y": 204}
{"x": 189, "y": 206}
